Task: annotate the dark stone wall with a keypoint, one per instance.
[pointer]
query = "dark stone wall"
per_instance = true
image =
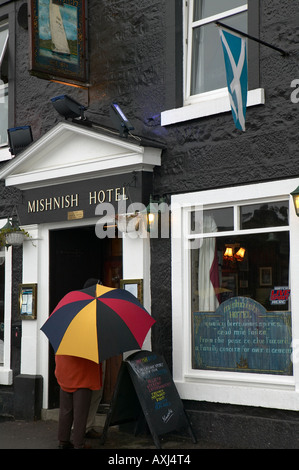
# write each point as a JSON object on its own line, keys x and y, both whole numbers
{"x": 135, "y": 52}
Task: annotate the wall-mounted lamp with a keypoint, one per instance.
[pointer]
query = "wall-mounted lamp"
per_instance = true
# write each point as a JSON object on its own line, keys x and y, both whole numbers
{"x": 19, "y": 138}
{"x": 152, "y": 213}
{"x": 295, "y": 195}
{"x": 120, "y": 120}
{"x": 68, "y": 107}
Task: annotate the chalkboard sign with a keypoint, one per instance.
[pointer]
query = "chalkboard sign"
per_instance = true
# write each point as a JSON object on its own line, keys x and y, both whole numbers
{"x": 145, "y": 389}
{"x": 242, "y": 336}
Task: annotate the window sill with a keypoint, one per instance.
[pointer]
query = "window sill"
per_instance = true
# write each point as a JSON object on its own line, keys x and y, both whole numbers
{"x": 209, "y": 105}
{"x": 5, "y": 376}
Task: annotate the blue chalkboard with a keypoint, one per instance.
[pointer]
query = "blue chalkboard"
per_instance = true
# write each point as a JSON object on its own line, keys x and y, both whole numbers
{"x": 242, "y": 336}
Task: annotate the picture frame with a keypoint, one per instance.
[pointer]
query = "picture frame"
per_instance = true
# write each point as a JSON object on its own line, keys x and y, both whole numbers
{"x": 28, "y": 301}
{"x": 58, "y": 40}
{"x": 265, "y": 276}
{"x": 135, "y": 286}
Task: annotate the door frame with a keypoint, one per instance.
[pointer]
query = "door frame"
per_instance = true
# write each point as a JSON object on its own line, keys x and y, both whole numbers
{"x": 36, "y": 264}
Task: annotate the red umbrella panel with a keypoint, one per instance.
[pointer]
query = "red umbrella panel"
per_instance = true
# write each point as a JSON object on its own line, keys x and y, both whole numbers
{"x": 97, "y": 323}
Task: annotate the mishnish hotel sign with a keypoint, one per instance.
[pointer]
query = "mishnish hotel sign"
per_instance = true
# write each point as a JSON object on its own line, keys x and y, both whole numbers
{"x": 72, "y": 200}
{"x": 79, "y": 199}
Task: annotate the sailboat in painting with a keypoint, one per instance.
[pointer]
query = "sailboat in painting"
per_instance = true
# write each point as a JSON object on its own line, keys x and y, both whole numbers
{"x": 58, "y": 34}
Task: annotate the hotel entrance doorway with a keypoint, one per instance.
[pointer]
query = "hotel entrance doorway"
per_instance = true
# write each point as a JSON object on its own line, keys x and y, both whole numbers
{"x": 76, "y": 255}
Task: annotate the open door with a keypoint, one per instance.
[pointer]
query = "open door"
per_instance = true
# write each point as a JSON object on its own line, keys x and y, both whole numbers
{"x": 76, "y": 255}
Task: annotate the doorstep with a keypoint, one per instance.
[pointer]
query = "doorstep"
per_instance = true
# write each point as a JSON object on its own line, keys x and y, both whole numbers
{"x": 53, "y": 415}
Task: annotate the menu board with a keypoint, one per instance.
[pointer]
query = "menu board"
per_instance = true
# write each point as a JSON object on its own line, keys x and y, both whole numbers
{"x": 145, "y": 388}
{"x": 242, "y": 336}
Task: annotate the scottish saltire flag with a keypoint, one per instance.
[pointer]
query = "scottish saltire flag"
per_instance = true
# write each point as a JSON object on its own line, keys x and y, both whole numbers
{"x": 235, "y": 58}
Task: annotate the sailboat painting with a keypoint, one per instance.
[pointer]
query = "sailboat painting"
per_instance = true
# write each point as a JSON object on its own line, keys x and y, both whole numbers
{"x": 58, "y": 38}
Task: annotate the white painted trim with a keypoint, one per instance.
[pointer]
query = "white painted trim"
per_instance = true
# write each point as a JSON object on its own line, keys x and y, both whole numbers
{"x": 69, "y": 152}
{"x": 266, "y": 390}
{"x": 209, "y": 104}
{"x": 6, "y": 376}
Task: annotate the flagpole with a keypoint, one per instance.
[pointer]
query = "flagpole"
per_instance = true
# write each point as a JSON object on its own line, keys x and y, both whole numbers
{"x": 252, "y": 38}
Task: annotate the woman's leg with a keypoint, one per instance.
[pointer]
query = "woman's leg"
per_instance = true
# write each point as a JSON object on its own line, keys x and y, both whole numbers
{"x": 81, "y": 401}
{"x": 65, "y": 418}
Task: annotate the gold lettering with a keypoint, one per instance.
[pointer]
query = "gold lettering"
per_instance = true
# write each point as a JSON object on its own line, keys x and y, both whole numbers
{"x": 67, "y": 201}
{"x": 101, "y": 196}
{"x": 49, "y": 204}
{"x": 124, "y": 194}
{"x": 117, "y": 195}
{"x": 94, "y": 197}
{"x": 74, "y": 200}
{"x": 109, "y": 191}
{"x": 56, "y": 203}
{"x": 31, "y": 206}
{"x": 41, "y": 205}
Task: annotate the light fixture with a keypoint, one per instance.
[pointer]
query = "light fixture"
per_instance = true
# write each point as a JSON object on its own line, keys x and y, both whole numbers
{"x": 68, "y": 107}
{"x": 234, "y": 252}
{"x": 120, "y": 120}
{"x": 240, "y": 254}
{"x": 295, "y": 195}
{"x": 228, "y": 254}
{"x": 152, "y": 211}
{"x": 19, "y": 138}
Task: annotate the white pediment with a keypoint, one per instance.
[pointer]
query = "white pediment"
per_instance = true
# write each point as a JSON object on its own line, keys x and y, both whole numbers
{"x": 71, "y": 152}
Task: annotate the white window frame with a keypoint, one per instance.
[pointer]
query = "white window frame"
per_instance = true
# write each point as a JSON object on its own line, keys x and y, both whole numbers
{"x": 212, "y": 102}
{"x": 6, "y": 376}
{"x": 189, "y": 99}
{"x": 266, "y": 390}
{"x": 4, "y": 150}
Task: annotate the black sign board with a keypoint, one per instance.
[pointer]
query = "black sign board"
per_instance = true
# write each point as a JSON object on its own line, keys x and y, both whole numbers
{"x": 78, "y": 200}
{"x": 145, "y": 389}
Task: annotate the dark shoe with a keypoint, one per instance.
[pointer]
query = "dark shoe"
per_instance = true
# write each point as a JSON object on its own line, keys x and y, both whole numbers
{"x": 92, "y": 434}
{"x": 65, "y": 445}
{"x": 85, "y": 446}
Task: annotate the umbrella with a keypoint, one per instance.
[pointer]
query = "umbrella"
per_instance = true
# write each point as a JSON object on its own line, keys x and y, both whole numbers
{"x": 97, "y": 323}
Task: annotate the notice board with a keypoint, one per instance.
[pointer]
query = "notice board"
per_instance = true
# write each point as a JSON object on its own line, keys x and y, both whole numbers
{"x": 145, "y": 390}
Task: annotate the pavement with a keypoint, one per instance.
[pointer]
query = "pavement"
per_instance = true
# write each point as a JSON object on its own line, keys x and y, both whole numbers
{"x": 42, "y": 434}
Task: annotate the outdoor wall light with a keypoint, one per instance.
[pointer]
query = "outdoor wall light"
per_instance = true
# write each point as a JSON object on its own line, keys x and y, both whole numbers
{"x": 295, "y": 195}
{"x": 19, "y": 138}
{"x": 68, "y": 107}
{"x": 152, "y": 212}
{"x": 120, "y": 120}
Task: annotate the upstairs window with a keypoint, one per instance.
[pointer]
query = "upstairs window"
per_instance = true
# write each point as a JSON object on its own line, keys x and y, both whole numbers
{"x": 3, "y": 83}
{"x": 205, "y": 69}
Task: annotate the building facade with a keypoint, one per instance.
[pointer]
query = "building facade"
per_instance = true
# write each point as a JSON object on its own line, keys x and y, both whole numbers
{"x": 221, "y": 282}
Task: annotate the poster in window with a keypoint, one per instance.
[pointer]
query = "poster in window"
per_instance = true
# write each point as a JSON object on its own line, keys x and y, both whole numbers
{"x": 58, "y": 40}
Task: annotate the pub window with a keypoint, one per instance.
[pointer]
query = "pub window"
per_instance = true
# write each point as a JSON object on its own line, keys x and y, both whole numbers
{"x": 240, "y": 295}
{"x": 3, "y": 83}
{"x": 204, "y": 65}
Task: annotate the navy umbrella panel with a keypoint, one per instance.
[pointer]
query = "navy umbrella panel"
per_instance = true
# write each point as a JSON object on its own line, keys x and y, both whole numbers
{"x": 97, "y": 323}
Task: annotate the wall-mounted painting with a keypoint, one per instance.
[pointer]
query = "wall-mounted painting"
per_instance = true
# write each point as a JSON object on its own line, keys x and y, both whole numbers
{"x": 59, "y": 40}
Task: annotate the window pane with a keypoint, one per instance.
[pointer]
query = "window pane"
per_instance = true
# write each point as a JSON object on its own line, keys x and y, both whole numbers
{"x": 214, "y": 220}
{"x": 264, "y": 215}
{"x": 208, "y": 69}
{"x": 240, "y": 301}
{"x": 205, "y": 8}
